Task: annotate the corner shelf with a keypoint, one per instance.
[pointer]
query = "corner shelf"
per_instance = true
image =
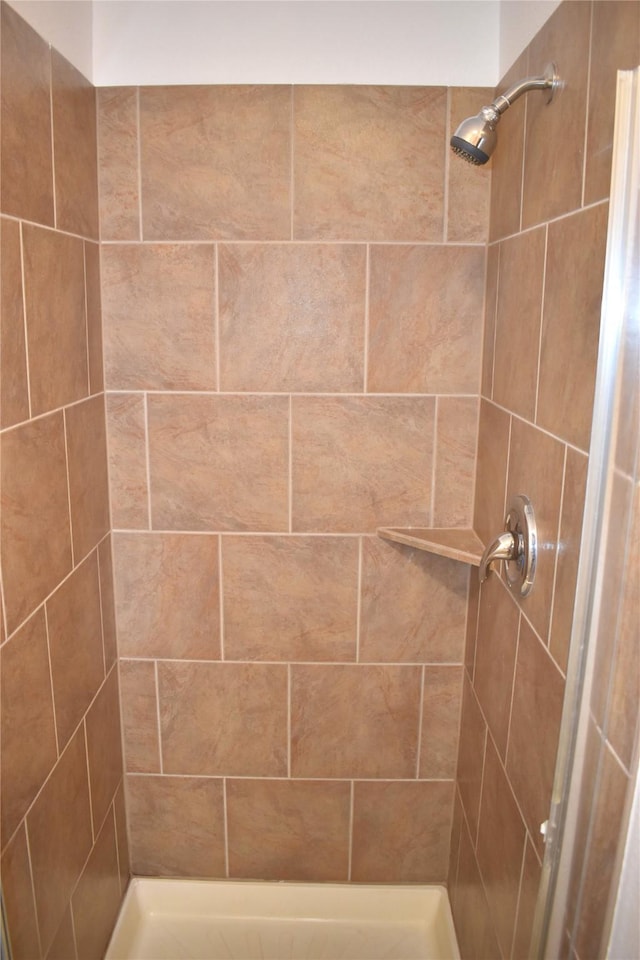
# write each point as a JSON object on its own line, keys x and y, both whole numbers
{"x": 457, "y": 543}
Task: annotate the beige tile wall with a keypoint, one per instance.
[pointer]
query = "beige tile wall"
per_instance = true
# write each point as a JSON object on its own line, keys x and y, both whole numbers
{"x": 64, "y": 849}
{"x": 287, "y": 367}
{"x": 544, "y": 284}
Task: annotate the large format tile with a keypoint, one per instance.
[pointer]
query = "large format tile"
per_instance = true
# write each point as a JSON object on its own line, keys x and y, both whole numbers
{"x": 500, "y": 849}
{"x": 17, "y": 894}
{"x": 401, "y": 832}
{"x": 571, "y": 324}
{"x": 292, "y": 317}
{"x": 469, "y": 186}
{"x": 369, "y": 163}
{"x": 373, "y": 456}
{"x": 471, "y": 753}
{"x": 96, "y": 899}
{"x": 219, "y": 463}
{"x": 538, "y": 695}
{"x": 158, "y": 316}
{"x": 104, "y": 749}
{"x": 518, "y": 312}
{"x": 536, "y": 464}
{"x": 127, "y": 435}
{"x": 36, "y": 535}
{"x": 422, "y": 337}
{"x": 176, "y": 826}
{"x": 75, "y": 638}
{"x": 441, "y": 703}
{"x": 56, "y": 318}
{"x": 456, "y": 442}
{"x": 73, "y": 102}
{"x": 354, "y": 721}
{"x": 166, "y": 589}
{"x": 215, "y": 162}
{"x": 495, "y": 657}
{"x": 118, "y": 163}
{"x": 615, "y": 45}
{"x": 288, "y": 829}
{"x": 28, "y": 726}
{"x": 88, "y": 480}
{"x": 26, "y": 153}
{"x": 223, "y": 719}
{"x": 290, "y": 598}
{"x": 14, "y": 386}
{"x": 140, "y": 716}
{"x": 553, "y": 176}
{"x": 413, "y": 605}
{"x": 59, "y": 826}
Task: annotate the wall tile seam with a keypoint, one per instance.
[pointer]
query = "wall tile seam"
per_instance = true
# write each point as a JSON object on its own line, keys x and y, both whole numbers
{"x": 523, "y": 613}
{"x": 587, "y": 98}
{"x": 24, "y": 320}
{"x": 557, "y": 556}
{"x": 541, "y": 323}
{"x": 549, "y": 223}
{"x": 513, "y": 689}
{"x": 53, "y": 150}
{"x": 225, "y": 815}
{"x": 46, "y": 599}
{"x": 606, "y": 742}
{"x": 81, "y": 723}
{"x": 94, "y": 833}
{"x": 293, "y": 394}
{"x": 50, "y": 413}
{"x": 409, "y": 665}
{"x": 488, "y": 912}
{"x": 286, "y": 242}
{"x": 147, "y": 457}
{"x": 446, "y": 164}
{"x": 328, "y": 779}
{"x": 536, "y": 426}
{"x": 66, "y": 458}
{"x": 350, "y": 831}
{"x": 517, "y": 913}
{"x": 51, "y": 684}
{"x": 51, "y": 229}
{"x": 31, "y": 883}
{"x": 507, "y": 778}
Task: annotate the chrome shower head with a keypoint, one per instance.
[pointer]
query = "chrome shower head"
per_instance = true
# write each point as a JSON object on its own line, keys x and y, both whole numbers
{"x": 476, "y": 137}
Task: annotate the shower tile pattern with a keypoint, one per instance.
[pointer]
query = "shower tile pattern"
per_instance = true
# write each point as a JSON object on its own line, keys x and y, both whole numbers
{"x": 63, "y": 843}
{"x": 287, "y": 369}
{"x": 545, "y": 268}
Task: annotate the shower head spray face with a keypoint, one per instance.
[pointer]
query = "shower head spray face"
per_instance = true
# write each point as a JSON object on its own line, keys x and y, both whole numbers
{"x": 476, "y": 138}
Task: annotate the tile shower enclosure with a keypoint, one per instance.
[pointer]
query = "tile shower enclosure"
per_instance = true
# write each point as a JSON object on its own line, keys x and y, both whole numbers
{"x": 290, "y": 342}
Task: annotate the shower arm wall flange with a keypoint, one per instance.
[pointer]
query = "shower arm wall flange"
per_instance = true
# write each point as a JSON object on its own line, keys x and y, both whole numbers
{"x": 549, "y": 80}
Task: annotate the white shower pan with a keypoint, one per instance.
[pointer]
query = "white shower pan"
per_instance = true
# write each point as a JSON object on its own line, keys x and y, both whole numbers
{"x": 245, "y": 920}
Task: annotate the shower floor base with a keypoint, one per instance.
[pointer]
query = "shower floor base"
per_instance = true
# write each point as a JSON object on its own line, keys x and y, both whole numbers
{"x": 238, "y": 920}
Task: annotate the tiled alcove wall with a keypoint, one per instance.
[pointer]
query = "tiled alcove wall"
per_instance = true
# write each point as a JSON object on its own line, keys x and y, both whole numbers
{"x": 547, "y": 238}
{"x": 293, "y": 304}
{"x": 64, "y": 849}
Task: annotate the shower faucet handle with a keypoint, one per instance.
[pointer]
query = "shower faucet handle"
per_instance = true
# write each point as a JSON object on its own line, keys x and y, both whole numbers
{"x": 517, "y": 547}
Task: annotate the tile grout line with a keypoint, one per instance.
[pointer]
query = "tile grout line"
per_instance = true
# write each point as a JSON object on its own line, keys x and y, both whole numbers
{"x": 216, "y": 310}
{"x": 53, "y": 138}
{"x": 220, "y": 598}
{"x": 73, "y": 925}
{"x": 495, "y": 325}
{"x": 541, "y": 330}
{"x": 53, "y": 696}
{"x": 104, "y": 652}
{"x": 112, "y": 807}
{"x": 66, "y": 457}
{"x": 147, "y": 452}
{"x": 24, "y": 318}
{"x": 292, "y": 196}
{"x": 283, "y": 779}
{"x": 587, "y": 105}
{"x": 86, "y": 318}
{"x": 367, "y": 302}
{"x": 158, "y": 721}
{"x": 359, "y": 600}
{"x": 513, "y": 696}
{"x": 289, "y": 721}
{"x": 225, "y": 813}
{"x": 83, "y": 723}
{"x": 31, "y": 879}
{"x": 402, "y": 665}
{"x": 350, "y": 847}
{"x": 556, "y": 558}
{"x": 139, "y": 163}
{"x": 517, "y": 911}
{"x": 446, "y": 170}
{"x": 423, "y": 679}
{"x": 290, "y": 465}
{"x": 434, "y": 455}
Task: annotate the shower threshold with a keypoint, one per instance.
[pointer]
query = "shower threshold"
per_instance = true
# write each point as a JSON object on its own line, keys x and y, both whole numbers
{"x": 247, "y": 920}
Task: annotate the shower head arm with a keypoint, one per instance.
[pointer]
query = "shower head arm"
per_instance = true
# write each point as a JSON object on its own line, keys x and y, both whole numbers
{"x": 548, "y": 81}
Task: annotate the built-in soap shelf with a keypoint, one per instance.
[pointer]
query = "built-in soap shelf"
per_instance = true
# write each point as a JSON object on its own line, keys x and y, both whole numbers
{"x": 462, "y": 544}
